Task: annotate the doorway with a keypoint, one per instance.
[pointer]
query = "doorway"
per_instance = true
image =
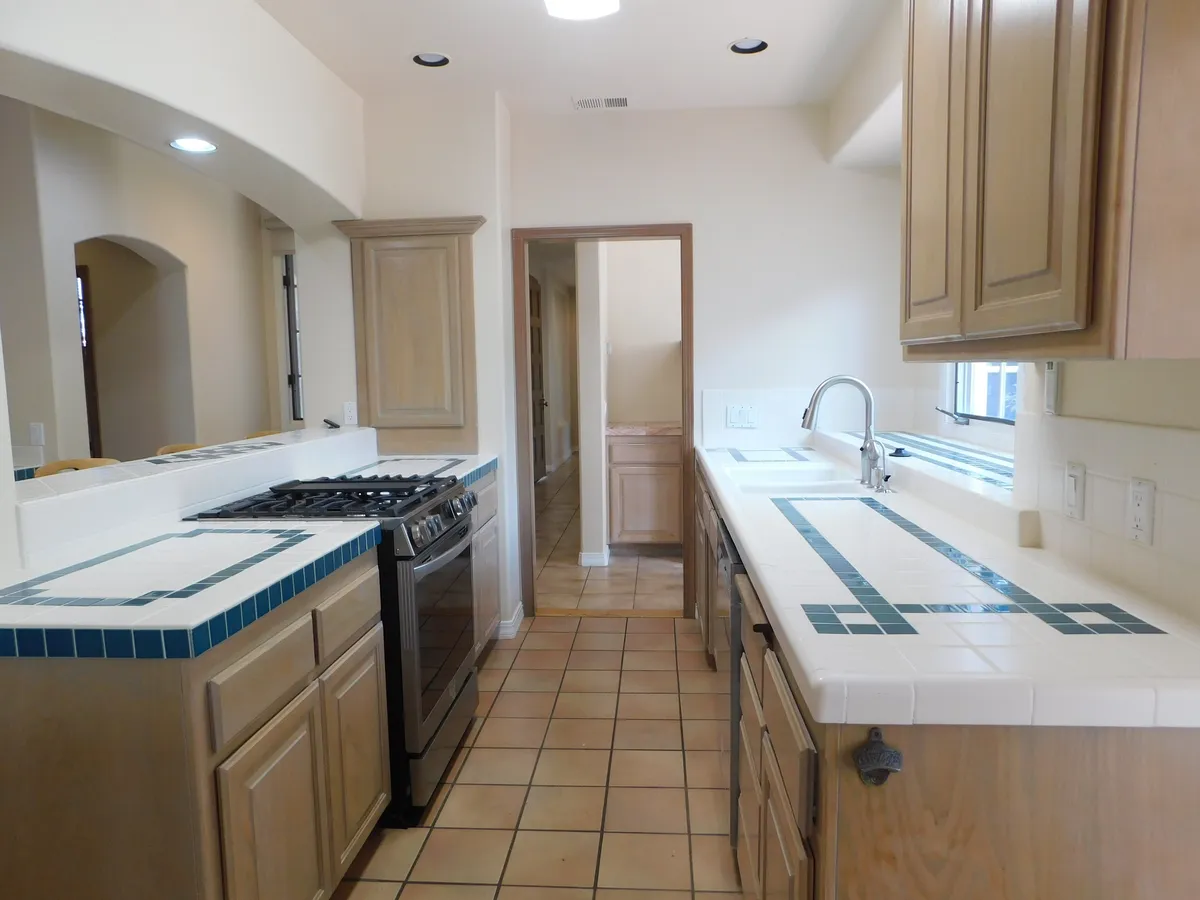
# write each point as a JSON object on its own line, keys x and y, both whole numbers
{"x": 558, "y": 552}
{"x": 83, "y": 294}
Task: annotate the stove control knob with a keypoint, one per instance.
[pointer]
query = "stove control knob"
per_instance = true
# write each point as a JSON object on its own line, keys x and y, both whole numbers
{"x": 418, "y": 536}
{"x": 435, "y": 525}
{"x": 470, "y": 499}
{"x": 456, "y": 507}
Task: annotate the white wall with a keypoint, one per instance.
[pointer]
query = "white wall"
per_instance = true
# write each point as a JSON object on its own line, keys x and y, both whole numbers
{"x": 795, "y": 259}
{"x": 591, "y": 268}
{"x": 556, "y": 275}
{"x": 645, "y": 364}
{"x": 867, "y": 110}
{"x": 140, "y": 345}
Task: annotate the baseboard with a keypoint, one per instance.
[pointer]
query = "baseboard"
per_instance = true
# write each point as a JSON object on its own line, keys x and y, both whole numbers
{"x": 594, "y": 559}
{"x": 509, "y": 628}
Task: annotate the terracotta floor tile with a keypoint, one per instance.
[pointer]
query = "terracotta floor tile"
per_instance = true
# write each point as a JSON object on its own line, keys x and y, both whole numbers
{"x": 708, "y": 811}
{"x": 604, "y": 894}
{"x": 549, "y": 640}
{"x": 646, "y": 625}
{"x": 579, "y": 734}
{"x": 482, "y": 806}
{"x": 687, "y": 626}
{"x": 553, "y": 859}
{"x": 523, "y": 705}
{"x": 523, "y": 626}
{"x": 512, "y": 643}
{"x": 646, "y": 810}
{"x": 713, "y": 867}
{"x": 456, "y": 764}
{"x": 388, "y": 854}
{"x": 434, "y": 806}
{"x": 548, "y": 600}
{"x": 704, "y": 769}
{"x": 650, "y": 642}
{"x": 600, "y": 641}
{"x": 473, "y": 732}
{"x": 704, "y": 706}
{"x": 602, "y": 625}
{"x": 652, "y": 660}
{"x": 499, "y": 659}
{"x": 486, "y": 699}
{"x": 647, "y": 768}
{"x": 544, "y": 893}
{"x": 620, "y": 602}
{"x": 704, "y": 682}
{"x": 564, "y": 808}
{"x": 502, "y": 732}
{"x": 462, "y": 856}
{"x": 541, "y": 659}
{"x": 446, "y": 892}
{"x": 367, "y": 890}
{"x": 493, "y": 766}
{"x": 595, "y": 660}
{"x": 572, "y": 768}
{"x": 689, "y": 660}
{"x": 648, "y": 706}
{"x": 591, "y": 681}
{"x": 647, "y": 734}
{"x": 645, "y": 861}
{"x": 688, "y": 640}
{"x": 535, "y": 680}
{"x": 490, "y": 680}
{"x": 554, "y": 623}
{"x": 643, "y": 682}
{"x": 613, "y": 584}
{"x": 658, "y": 600}
{"x": 705, "y": 734}
{"x": 585, "y": 706}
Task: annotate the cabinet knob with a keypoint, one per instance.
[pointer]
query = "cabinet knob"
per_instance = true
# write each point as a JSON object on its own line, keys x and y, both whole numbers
{"x": 876, "y": 761}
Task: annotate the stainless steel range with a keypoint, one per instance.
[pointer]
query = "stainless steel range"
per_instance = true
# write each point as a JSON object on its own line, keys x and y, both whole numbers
{"x": 428, "y": 616}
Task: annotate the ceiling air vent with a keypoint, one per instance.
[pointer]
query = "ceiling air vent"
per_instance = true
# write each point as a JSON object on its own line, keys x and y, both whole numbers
{"x": 586, "y": 103}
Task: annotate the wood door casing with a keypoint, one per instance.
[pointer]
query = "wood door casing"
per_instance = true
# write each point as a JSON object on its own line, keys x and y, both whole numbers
{"x": 353, "y": 695}
{"x": 933, "y": 168}
{"x": 1033, "y": 97}
{"x": 537, "y": 379}
{"x": 273, "y": 809}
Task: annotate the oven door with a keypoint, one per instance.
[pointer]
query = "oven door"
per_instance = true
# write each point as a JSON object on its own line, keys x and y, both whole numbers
{"x": 437, "y": 601}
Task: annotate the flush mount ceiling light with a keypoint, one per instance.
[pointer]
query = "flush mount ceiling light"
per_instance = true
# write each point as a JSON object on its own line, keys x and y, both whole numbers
{"x": 579, "y": 10}
{"x": 431, "y": 60}
{"x": 193, "y": 145}
{"x": 746, "y": 46}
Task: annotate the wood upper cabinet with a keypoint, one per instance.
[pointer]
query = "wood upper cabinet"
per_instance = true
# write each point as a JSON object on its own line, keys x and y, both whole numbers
{"x": 274, "y": 824}
{"x": 414, "y": 328}
{"x": 353, "y": 697}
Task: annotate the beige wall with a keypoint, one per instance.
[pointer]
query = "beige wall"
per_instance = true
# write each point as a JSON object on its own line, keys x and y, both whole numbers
{"x": 143, "y": 361}
{"x": 645, "y": 364}
{"x": 592, "y": 298}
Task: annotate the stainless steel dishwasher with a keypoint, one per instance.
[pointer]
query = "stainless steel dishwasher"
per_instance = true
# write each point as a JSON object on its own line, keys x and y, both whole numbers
{"x": 729, "y": 564}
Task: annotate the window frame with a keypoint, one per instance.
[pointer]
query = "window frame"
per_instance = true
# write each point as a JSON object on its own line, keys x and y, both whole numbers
{"x": 966, "y": 417}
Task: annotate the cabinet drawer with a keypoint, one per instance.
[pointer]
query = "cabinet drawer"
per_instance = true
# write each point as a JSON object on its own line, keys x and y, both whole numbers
{"x": 754, "y": 643}
{"x": 488, "y": 496}
{"x": 241, "y": 693}
{"x": 794, "y": 750}
{"x": 748, "y": 845}
{"x": 345, "y": 614}
{"x": 644, "y": 451}
{"x": 786, "y": 869}
{"x": 752, "y": 714}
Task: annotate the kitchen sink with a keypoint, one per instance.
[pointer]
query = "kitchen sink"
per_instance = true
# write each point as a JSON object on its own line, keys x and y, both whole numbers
{"x": 791, "y": 488}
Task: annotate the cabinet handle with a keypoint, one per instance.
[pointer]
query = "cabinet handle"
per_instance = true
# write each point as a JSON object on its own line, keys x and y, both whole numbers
{"x": 876, "y": 761}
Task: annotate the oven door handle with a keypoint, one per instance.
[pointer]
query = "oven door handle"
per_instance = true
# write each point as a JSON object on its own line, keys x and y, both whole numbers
{"x": 428, "y": 568}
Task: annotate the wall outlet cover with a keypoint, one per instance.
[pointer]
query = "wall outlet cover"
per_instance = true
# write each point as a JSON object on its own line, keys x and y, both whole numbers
{"x": 1074, "y": 488}
{"x": 37, "y": 434}
{"x": 349, "y": 413}
{"x": 1140, "y": 524}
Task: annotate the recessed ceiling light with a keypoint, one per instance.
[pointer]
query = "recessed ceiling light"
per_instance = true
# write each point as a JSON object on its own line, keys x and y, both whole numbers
{"x": 431, "y": 60}
{"x": 747, "y": 46}
{"x": 193, "y": 145}
{"x": 580, "y": 10}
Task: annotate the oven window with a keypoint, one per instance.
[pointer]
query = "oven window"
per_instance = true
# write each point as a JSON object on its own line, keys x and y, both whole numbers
{"x": 445, "y": 613}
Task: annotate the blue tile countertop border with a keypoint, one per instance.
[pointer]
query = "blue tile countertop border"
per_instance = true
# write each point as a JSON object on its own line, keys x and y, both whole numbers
{"x": 480, "y": 473}
{"x": 172, "y": 643}
{"x": 892, "y": 619}
{"x": 24, "y": 474}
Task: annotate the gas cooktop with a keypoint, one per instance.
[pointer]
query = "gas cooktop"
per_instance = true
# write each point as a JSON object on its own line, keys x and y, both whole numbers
{"x": 351, "y": 497}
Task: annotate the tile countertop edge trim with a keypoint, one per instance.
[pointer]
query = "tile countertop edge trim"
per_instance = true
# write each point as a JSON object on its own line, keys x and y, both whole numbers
{"x": 179, "y": 643}
{"x": 827, "y": 694}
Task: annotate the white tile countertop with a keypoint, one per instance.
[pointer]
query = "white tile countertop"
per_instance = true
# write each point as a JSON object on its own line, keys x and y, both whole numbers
{"x": 467, "y": 468}
{"x": 892, "y": 610}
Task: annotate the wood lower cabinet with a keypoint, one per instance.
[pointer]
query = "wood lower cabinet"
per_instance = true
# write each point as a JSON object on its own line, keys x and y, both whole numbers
{"x": 274, "y": 818}
{"x": 485, "y": 577}
{"x": 786, "y": 869}
{"x": 645, "y": 504}
{"x": 354, "y": 701}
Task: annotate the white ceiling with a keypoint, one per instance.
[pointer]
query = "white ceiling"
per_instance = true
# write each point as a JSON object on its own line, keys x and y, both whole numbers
{"x": 661, "y": 54}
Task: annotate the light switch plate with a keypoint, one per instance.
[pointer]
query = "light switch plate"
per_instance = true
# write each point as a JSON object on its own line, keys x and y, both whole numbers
{"x": 37, "y": 434}
{"x": 1074, "y": 488}
{"x": 349, "y": 413}
{"x": 1140, "y": 526}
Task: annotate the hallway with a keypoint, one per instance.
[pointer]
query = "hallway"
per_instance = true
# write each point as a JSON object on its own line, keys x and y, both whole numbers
{"x": 644, "y": 580}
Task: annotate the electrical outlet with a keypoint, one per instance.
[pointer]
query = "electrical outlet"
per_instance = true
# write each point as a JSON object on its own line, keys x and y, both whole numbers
{"x": 349, "y": 413}
{"x": 751, "y": 417}
{"x": 1140, "y": 526}
{"x": 1074, "y": 487}
{"x": 37, "y": 434}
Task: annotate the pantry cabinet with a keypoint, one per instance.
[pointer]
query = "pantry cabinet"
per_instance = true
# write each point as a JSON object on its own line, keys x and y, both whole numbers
{"x": 1049, "y": 208}
{"x": 645, "y": 489}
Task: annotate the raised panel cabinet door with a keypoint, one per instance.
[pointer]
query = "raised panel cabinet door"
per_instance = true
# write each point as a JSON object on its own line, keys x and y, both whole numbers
{"x": 644, "y": 504}
{"x": 786, "y": 867}
{"x": 274, "y": 814}
{"x": 1033, "y": 103}
{"x": 933, "y": 168}
{"x": 485, "y": 578}
{"x": 412, "y": 297}
{"x": 354, "y": 697}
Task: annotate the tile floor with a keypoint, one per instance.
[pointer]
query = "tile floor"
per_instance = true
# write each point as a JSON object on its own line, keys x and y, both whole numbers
{"x": 594, "y": 772}
{"x": 645, "y": 581}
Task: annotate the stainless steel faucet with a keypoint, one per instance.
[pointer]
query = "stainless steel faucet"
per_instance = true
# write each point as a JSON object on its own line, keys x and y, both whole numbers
{"x": 872, "y": 450}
